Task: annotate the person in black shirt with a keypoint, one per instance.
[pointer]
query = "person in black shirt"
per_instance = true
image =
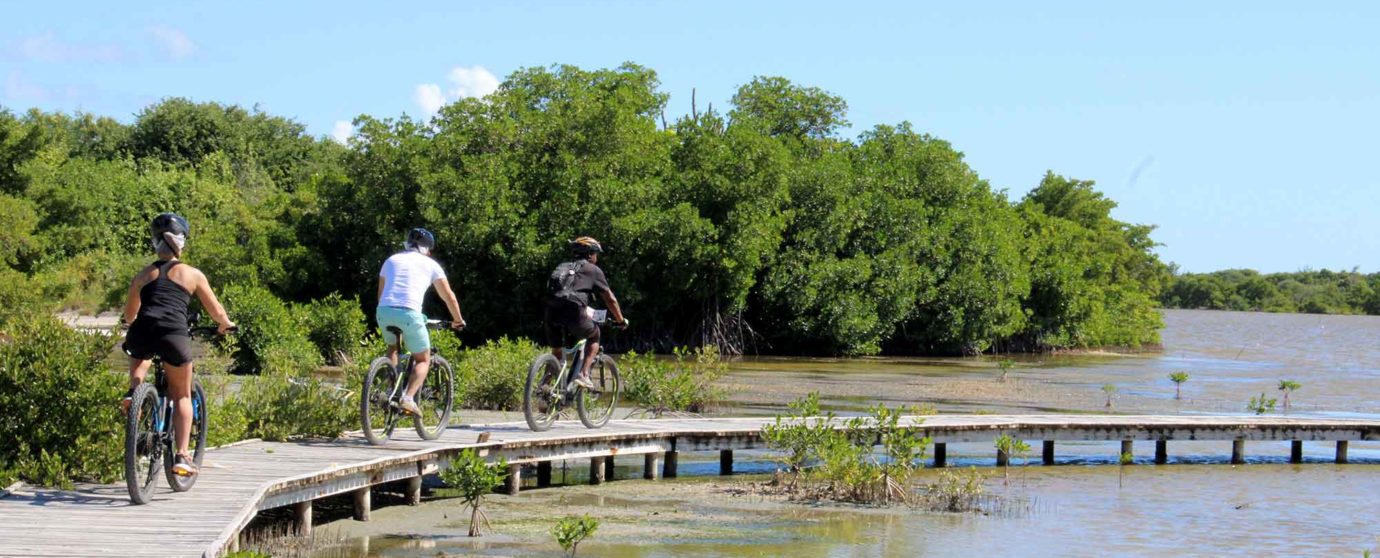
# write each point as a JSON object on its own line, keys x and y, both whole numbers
{"x": 157, "y": 313}
{"x": 573, "y": 287}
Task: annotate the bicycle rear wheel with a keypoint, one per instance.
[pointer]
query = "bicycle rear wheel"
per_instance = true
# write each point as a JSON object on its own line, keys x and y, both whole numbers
{"x": 595, "y": 406}
{"x": 541, "y": 399}
{"x": 435, "y": 398}
{"x": 196, "y": 443}
{"x": 376, "y": 410}
{"x": 143, "y": 443}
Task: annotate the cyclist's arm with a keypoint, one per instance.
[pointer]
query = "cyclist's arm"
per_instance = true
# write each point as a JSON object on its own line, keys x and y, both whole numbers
{"x": 612, "y": 304}
{"x": 132, "y": 301}
{"x": 211, "y": 304}
{"x": 442, "y": 287}
{"x": 381, "y": 282}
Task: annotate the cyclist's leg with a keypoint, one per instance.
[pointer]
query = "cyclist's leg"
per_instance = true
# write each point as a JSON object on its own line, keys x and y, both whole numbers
{"x": 591, "y": 351}
{"x": 550, "y": 323}
{"x": 418, "y": 341}
{"x": 421, "y": 364}
{"x": 389, "y": 317}
{"x": 176, "y": 351}
{"x": 138, "y": 369}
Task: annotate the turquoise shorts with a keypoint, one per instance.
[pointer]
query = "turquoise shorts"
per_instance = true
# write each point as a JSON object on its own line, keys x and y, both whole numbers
{"x": 416, "y": 339}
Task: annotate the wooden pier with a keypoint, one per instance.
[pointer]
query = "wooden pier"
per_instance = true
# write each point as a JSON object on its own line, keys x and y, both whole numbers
{"x": 240, "y": 480}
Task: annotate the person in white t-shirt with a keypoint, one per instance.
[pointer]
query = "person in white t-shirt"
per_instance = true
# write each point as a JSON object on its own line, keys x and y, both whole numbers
{"x": 403, "y": 283}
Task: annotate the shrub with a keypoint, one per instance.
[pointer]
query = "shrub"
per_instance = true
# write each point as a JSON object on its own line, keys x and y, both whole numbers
{"x": 270, "y": 340}
{"x": 59, "y": 413}
{"x": 472, "y": 478}
{"x": 796, "y": 438}
{"x": 493, "y": 376}
{"x": 956, "y": 490}
{"x": 1261, "y": 405}
{"x": 336, "y": 326}
{"x": 682, "y": 383}
{"x": 571, "y": 531}
{"x": 277, "y": 406}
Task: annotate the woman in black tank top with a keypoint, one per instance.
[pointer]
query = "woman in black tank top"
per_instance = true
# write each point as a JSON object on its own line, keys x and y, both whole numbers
{"x": 157, "y": 313}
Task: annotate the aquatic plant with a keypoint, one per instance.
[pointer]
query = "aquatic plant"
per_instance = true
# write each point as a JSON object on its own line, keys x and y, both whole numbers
{"x": 573, "y": 530}
{"x": 1011, "y": 447}
{"x": 681, "y": 384}
{"x": 796, "y": 438}
{"x": 1005, "y": 365}
{"x": 472, "y": 478}
{"x": 956, "y": 490}
{"x": 1121, "y": 462}
{"x": 1261, "y": 405}
{"x": 1288, "y": 387}
{"x": 1110, "y": 390}
{"x": 1178, "y": 378}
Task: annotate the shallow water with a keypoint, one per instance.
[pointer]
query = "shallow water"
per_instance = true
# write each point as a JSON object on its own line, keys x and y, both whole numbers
{"x": 1196, "y": 506}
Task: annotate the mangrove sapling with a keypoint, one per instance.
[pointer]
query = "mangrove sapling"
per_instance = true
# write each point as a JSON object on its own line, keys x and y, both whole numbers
{"x": 1121, "y": 462}
{"x": 573, "y": 530}
{"x": 1178, "y": 378}
{"x": 1110, "y": 390}
{"x": 1261, "y": 405}
{"x": 956, "y": 490}
{"x": 1011, "y": 447}
{"x": 1005, "y": 364}
{"x": 903, "y": 448}
{"x": 1288, "y": 387}
{"x": 798, "y": 437}
{"x": 472, "y": 479}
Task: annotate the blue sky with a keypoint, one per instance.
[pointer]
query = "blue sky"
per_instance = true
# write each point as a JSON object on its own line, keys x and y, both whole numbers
{"x": 1246, "y": 131}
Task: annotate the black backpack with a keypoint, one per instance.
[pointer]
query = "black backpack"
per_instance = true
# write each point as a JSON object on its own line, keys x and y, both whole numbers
{"x": 561, "y": 284}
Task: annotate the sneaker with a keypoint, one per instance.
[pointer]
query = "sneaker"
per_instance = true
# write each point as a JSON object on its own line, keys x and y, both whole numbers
{"x": 183, "y": 466}
{"x": 583, "y": 381}
{"x": 410, "y": 407}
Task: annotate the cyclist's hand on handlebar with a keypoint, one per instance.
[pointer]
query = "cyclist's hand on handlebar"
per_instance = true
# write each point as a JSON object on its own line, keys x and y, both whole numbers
{"x": 227, "y": 327}
{"x": 458, "y": 325}
{"x": 623, "y": 324}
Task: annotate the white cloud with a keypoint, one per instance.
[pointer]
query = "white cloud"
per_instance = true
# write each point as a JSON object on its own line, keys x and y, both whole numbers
{"x": 49, "y": 48}
{"x": 20, "y": 90}
{"x": 474, "y": 81}
{"x": 174, "y": 43}
{"x": 467, "y": 82}
{"x": 429, "y": 97}
{"x": 342, "y": 131}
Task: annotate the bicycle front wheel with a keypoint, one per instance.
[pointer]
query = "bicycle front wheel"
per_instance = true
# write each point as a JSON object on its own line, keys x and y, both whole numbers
{"x": 595, "y": 406}
{"x": 376, "y": 410}
{"x": 196, "y": 443}
{"x": 434, "y": 399}
{"x": 143, "y": 443}
{"x": 541, "y": 399}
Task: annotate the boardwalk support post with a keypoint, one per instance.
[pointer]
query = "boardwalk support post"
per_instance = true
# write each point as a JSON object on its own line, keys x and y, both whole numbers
{"x": 1003, "y": 459}
{"x": 608, "y": 469}
{"x": 301, "y": 519}
{"x": 1296, "y": 451}
{"x": 1341, "y": 451}
{"x": 941, "y": 454}
{"x": 1161, "y": 452}
{"x": 413, "y": 492}
{"x": 651, "y": 466}
{"x": 1238, "y": 452}
{"x": 596, "y": 470}
{"x": 544, "y": 474}
{"x": 362, "y": 503}
{"x": 725, "y": 462}
{"x": 1128, "y": 447}
{"x": 669, "y": 467}
{"x": 513, "y": 484}
{"x": 1049, "y": 452}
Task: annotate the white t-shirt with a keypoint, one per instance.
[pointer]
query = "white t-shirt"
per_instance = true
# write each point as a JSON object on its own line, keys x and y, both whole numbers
{"x": 406, "y": 277}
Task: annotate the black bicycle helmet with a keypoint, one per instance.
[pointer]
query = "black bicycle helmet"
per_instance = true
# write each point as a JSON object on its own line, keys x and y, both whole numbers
{"x": 420, "y": 238}
{"x": 585, "y": 246}
{"x": 169, "y": 223}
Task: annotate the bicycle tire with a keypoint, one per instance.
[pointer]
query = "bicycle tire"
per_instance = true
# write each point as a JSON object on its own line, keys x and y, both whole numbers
{"x": 437, "y": 394}
{"x": 541, "y": 376}
{"x": 375, "y": 402}
{"x": 142, "y": 442}
{"x": 196, "y": 442}
{"x": 595, "y": 413}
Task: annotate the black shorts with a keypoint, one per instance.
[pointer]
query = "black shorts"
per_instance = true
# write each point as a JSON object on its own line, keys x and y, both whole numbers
{"x": 568, "y": 320}
{"x": 144, "y": 341}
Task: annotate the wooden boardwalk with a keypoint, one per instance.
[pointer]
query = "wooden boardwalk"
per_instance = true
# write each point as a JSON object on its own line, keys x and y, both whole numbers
{"x": 240, "y": 480}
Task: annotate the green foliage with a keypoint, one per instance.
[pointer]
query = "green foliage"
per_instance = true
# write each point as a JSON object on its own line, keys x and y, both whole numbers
{"x": 956, "y": 491}
{"x": 336, "y": 326}
{"x": 684, "y": 382}
{"x": 1308, "y": 291}
{"x": 492, "y": 375}
{"x": 47, "y": 370}
{"x": 796, "y": 438}
{"x": 1005, "y": 365}
{"x": 1261, "y": 405}
{"x": 1178, "y": 378}
{"x": 572, "y": 530}
{"x": 1288, "y": 387}
{"x": 270, "y": 339}
{"x": 472, "y": 478}
{"x": 279, "y": 405}
{"x": 1110, "y": 391}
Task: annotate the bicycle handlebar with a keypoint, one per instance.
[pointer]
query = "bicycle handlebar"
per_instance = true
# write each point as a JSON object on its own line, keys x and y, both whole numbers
{"x": 210, "y": 331}
{"x": 443, "y": 324}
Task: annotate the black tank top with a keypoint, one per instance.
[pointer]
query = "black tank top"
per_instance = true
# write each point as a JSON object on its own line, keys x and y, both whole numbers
{"x": 163, "y": 302}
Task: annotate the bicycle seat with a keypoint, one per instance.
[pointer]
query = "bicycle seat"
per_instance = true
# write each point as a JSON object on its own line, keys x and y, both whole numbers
{"x": 395, "y": 330}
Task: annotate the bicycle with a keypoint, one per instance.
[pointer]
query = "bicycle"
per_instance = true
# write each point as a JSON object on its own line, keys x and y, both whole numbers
{"x": 550, "y": 388}
{"x": 149, "y": 437}
{"x": 384, "y": 385}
